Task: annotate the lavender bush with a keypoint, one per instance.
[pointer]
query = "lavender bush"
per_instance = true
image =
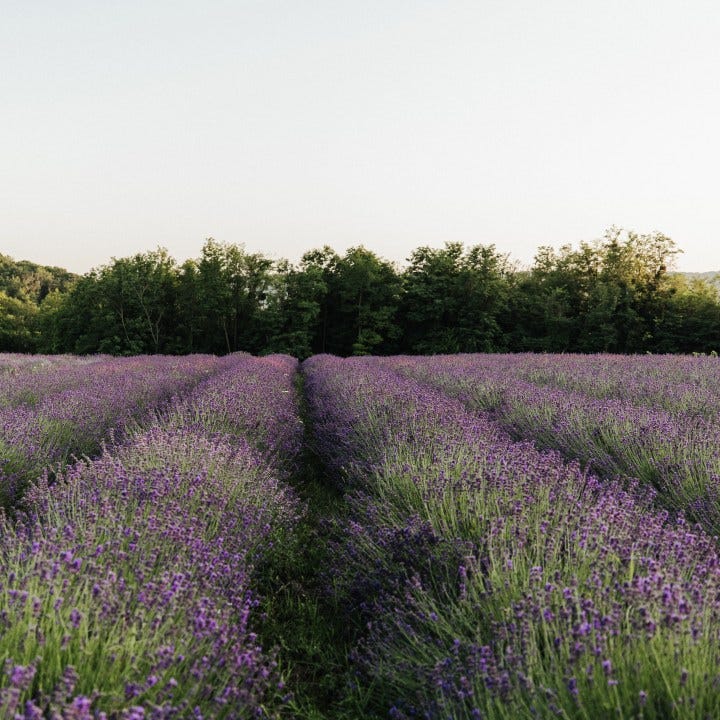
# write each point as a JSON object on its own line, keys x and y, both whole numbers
{"x": 675, "y": 383}
{"x": 498, "y": 581}
{"x": 674, "y": 452}
{"x": 471, "y": 574}
{"x": 127, "y": 586}
{"x": 75, "y": 406}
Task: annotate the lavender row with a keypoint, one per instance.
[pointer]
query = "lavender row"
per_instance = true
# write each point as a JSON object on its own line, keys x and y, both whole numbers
{"x": 673, "y": 453}
{"x": 78, "y": 407}
{"x": 26, "y": 379}
{"x": 497, "y": 581}
{"x": 677, "y": 384}
{"x": 272, "y": 425}
{"x": 127, "y": 586}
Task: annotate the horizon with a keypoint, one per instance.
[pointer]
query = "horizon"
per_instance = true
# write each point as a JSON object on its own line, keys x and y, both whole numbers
{"x": 286, "y": 126}
{"x": 399, "y": 264}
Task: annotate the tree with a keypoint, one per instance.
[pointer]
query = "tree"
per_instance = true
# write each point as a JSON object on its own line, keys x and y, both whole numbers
{"x": 453, "y": 300}
{"x": 231, "y": 289}
{"x": 83, "y": 322}
{"x": 294, "y": 307}
{"x": 142, "y": 292}
{"x": 606, "y": 296}
{"x": 49, "y": 338}
{"x": 190, "y": 316}
{"x": 322, "y": 264}
{"x": 126, "y": 307}
{"x": 691, "y": 320}
{"x": 16, "y": 324}
{"x": 615, "y": 294}
{"x": 368, "y": 292}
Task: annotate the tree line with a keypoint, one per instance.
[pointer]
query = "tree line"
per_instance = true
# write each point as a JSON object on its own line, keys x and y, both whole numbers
{"x": 616, "y": 294}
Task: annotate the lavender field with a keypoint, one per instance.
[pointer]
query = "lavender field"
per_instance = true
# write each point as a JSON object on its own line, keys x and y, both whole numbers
{"x": 462, "y": 536}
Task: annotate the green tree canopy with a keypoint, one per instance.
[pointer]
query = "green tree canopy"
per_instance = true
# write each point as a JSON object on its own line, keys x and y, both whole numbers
{"x": 615, "y": 294}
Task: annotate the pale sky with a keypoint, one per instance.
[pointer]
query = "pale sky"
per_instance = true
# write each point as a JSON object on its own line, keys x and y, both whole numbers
{"x": 287, "y": 125}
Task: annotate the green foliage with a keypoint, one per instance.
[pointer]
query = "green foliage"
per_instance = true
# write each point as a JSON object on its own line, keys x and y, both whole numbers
{"x": 606, "y": 296}
{"x": 24, "y": 286}
{"x": 453, "y": 299}
{"x": 616, "y": 294}
{"x": 124, "y": 308}
{"x": 691, "y": 317}
{"x": 357, "y": 312}
{"x": 16, "y": 324}
{"x": 294, "y": 307}
{"x": 223, "y": 297}
{"x": 368, "y": 289}
{"x": 28, "y": 282}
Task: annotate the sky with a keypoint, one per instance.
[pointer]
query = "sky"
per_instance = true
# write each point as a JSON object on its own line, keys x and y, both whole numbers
{"x": 287, "y": 125}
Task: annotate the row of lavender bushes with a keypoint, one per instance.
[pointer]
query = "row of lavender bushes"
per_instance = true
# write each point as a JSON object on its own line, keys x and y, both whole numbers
{"x": 672, "y": 450}
{"x": 51, "y": 411}
{"x": 127, "y": 585}
{"x": 26, "y": 379}
{"x": 680, "y": 384}
{"x": 495, "y": 580}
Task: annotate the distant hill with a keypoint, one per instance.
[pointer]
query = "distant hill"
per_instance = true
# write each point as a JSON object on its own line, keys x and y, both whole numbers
{"x": 29, "y": 282}
{"x": 712, "y": 277}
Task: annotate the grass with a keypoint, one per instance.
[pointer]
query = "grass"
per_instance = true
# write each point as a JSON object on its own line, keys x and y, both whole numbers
{"x": 302, "y": 618}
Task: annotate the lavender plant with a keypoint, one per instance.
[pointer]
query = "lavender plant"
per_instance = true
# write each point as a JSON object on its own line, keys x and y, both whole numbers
{"x": 679, "y": 384}
{"x": 26, "y": 379}
{"x": 498, "y": 581}
{"x": 127, "y": 586}
{"x": 75, "y": 408}
{"x": 673, "y": 452}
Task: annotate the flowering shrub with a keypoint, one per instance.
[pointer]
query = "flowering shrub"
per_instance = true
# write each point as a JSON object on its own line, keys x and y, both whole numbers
{"x": 502, "y": 580}
{"x": 127, "y": 585}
